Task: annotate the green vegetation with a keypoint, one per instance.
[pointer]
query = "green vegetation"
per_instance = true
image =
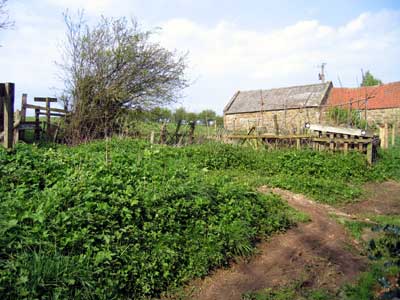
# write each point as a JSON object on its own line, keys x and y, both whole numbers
{"x": 119, "y": 219}
{"x": 290, "y": 292}
{"x": 343, "y": 117}
{"x": 326, "y": 177}
{"x": 144, "y": 129}
{"x": 381, "y": 279}
{"x": 370, "y": 80}
{"x": 122, "y": 219}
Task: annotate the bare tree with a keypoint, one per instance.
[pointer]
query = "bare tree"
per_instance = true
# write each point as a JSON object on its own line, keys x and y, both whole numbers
{"x": 5, "y": 21}
{"x": 113, "y": 67}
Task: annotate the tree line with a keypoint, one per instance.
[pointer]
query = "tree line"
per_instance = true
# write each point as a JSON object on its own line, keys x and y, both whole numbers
{"x": 166, "y": 115}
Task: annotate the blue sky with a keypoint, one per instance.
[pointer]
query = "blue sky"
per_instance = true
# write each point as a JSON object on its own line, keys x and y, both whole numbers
{"x": 232, "y": 45}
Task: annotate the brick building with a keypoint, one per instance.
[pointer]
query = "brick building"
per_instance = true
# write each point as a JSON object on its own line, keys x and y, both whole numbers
{"x": 382, "y": 101}
{"x": 294, "y": 106}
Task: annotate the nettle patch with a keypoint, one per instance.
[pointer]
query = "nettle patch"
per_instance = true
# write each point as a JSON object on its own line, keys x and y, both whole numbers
{"x": 122, "y": 219}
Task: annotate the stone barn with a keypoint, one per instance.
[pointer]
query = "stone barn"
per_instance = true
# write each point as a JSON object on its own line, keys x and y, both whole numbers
{"x": 291, "y": 107}
{"x": 382, "y": 101}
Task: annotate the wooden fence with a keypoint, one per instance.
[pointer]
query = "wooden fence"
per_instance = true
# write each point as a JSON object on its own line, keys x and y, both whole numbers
{"x": 317, "y": 137}
{"x": 14, "y": 124}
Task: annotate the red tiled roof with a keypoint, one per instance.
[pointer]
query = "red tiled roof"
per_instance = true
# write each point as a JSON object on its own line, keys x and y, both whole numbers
{"x": 380, "y": 96}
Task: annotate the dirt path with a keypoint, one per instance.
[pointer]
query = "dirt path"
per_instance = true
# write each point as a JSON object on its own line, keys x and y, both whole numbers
{"x": 319, "y": 254}
{"x": 380, "y": 199}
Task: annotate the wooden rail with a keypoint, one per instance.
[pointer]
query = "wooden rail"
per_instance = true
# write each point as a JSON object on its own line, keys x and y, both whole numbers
{"x": 59, "y": 110}
{"x": 336, "y": 139}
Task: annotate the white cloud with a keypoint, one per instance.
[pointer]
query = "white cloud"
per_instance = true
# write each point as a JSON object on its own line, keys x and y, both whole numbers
{"x": 228, "y": 58}
{"x": 91, "y": 6}
{"x": 222, "y": 58}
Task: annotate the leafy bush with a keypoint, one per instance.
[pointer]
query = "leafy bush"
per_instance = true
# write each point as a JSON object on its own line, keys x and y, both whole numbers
{"x": 326, "y": 177}
{"x": 132, "y": 222}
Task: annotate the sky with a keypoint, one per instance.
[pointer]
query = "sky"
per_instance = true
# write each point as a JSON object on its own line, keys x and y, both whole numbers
{"x": 232, "y": 45}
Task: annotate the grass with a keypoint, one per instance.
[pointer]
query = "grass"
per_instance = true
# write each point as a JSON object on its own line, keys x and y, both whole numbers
{"x": 356, "y": 228}
{"x": 367, "y": 285}
{"x": 289, "y": 292}
{"x": 385, "y": 219}
{"x": 298, "y": 217}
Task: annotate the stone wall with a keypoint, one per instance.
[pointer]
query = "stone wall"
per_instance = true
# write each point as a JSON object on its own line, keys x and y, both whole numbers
{"x": 289, "y": 121}
{"x": 374, "y": 116}
{"x": 380, "y": 116}
{"x": 295, "y": 119}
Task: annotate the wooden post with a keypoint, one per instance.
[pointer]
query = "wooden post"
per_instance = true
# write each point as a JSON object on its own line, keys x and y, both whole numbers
{"x": 57, "y": 130}
{"x": 17, "y": 119}
{"x": 299, "y": 127}
{"x": 382, "y": 136}
{"x": 298, "y": 143}
{"x": 178, "y": 127}
{"x": 2, "y": 96}
{"x": 331, "y": 143}
{"x": 23, "y": 115}
{"x": 276, "y": 125}
{"x": 393, "y": 134}
{"x": 369, "y": 153}
{"x": 346, "y": 144}
{"x": 37, "y": 124}
{"x": 8, "y": 115}
{"x": 163, "y": 133}
{"x": 322, "y": 146}
{"x": 386, "y": 135}
{"x": 48, "y": 118}
{"x": 360, "y": 146}
{"x": 191, "y": 132}
{"x": 152, "y": 137}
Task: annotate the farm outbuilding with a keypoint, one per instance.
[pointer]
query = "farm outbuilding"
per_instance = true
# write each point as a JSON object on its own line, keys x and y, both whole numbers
{"x": 382, "y": 102}
{"x": 285, "y": 108}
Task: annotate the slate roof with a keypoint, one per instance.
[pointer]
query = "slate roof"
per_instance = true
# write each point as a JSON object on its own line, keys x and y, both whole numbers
{"x": 278, "y": 99}
{"x": 381, "y": 96}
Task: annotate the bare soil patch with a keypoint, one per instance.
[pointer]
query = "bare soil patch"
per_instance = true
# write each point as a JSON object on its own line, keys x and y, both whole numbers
{"x": 379, "y": 198}
{"x": 319, "y": 253}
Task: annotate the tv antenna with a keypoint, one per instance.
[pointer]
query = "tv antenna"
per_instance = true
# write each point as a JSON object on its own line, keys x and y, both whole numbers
{"x": 321, "y": 76}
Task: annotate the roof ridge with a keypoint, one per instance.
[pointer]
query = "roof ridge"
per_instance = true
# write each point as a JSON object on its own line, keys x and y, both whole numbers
{"x": 288, "y": 87}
